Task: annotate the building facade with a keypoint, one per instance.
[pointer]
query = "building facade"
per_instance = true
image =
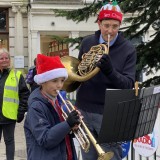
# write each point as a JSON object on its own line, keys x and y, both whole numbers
{"x": 43, "y": 25}
{"x": 27, "y": 27}
{"x": 14, "y": 29}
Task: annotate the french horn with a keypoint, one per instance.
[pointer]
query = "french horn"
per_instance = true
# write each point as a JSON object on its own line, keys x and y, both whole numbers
{"x": 80, "y": 71}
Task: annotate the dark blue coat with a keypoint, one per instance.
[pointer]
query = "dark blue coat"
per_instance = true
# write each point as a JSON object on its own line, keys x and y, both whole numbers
{"x": 91, "y": 94}
{"x": 43, "y": 130}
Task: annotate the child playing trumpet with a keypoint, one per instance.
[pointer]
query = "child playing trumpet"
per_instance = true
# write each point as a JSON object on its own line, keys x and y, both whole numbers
{"x": 46, "y": 131}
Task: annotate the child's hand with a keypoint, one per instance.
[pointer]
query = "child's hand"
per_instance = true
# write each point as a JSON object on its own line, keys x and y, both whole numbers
{"x": 73, "y": 118}
{"x": 75, "y": 128}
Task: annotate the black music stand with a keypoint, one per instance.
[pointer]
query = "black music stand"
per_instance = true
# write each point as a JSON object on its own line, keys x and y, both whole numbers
{"x": 127, "y": 116}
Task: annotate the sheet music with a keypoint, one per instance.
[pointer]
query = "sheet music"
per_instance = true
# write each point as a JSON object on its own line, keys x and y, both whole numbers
{"x": 156, "y": 90}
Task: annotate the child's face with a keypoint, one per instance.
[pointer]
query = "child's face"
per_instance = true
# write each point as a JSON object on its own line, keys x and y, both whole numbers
{"x": 50, "y": 87}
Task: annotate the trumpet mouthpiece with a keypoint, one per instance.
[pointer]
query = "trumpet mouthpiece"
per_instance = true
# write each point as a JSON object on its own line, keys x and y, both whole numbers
{"x": 57, "y": 91}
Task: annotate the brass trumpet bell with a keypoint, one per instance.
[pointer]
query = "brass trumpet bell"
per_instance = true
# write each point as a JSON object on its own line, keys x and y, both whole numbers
{"x": 106, "y": 156}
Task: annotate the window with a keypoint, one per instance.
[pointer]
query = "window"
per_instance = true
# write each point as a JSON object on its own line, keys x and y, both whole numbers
{"x": 58, "y": 49}
{"x": 4, "y": 29}
{"x": 3, "y": 20}
{"x": 51, "y": 47}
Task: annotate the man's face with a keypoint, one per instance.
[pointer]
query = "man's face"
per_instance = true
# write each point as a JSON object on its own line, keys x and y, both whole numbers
{"x": 51, "y": 87}
{"x": 4, "y": 60}
{"x": 109, "y": 27}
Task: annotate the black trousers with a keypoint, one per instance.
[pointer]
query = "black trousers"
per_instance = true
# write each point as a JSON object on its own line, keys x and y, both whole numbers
{"x": 8, "y": 134}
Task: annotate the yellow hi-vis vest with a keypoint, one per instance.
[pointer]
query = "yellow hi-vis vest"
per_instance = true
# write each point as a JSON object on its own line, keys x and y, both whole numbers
{"x": 10, "y": 96}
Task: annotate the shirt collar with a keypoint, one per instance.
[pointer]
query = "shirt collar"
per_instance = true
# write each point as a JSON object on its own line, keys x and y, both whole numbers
{"x": 101, "y": 40}
{"x": 49, "y": 96}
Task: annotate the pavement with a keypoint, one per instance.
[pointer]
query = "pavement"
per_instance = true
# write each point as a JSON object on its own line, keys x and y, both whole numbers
{"x": 20, "y": 145}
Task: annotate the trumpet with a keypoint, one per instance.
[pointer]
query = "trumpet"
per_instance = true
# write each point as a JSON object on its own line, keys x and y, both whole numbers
{"x": 79, "y": 133}
{"x": 83, "y": 135}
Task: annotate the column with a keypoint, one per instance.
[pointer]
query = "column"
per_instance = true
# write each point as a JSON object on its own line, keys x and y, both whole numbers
{"x": 19, "y": 9}
{"x": 34, "y": 46}
{"x": 72, "y": 51}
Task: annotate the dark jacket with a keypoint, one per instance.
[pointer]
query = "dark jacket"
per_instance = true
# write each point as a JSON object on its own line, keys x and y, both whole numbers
{"x": 23, "y": 96}
{"x": 91, "y": 93}
{"x": 43, "y": 131}
{"x": 33, "y": 85}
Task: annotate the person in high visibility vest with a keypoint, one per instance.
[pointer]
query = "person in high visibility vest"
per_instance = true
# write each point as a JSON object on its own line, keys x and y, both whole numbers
{"x": 14, "y": 95}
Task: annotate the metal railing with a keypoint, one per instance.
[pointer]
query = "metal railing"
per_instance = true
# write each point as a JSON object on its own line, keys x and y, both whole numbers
{"x": 132, "y": 155}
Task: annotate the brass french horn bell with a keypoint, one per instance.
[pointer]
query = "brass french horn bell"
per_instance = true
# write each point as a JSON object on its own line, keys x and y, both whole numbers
{"x": 82, "y": 71}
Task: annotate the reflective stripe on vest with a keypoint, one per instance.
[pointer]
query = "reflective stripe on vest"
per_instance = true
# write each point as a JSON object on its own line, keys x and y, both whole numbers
{"x": 10, "y": 95}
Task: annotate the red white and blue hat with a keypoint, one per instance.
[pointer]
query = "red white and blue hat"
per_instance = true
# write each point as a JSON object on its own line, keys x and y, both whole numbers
{"x": 49, "y": 68}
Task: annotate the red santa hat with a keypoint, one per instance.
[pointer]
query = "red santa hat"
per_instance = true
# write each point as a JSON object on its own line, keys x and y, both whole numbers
{"x": 49, "y": 68}
{"x": 110, "y": 10}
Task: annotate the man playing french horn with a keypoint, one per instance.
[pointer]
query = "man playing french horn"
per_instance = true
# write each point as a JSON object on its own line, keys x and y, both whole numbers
{"x": 117, "y": 71}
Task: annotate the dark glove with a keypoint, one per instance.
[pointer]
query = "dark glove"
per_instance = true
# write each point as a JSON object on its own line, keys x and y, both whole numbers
{"x": 20, "y": 117}
{"x": 73, "y": 118}
{"x": 105, "y": 64}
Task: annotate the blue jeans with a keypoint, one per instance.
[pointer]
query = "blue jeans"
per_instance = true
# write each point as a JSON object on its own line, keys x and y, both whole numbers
{"x": 93, "y": 122}
{"x": 8, "y": 134}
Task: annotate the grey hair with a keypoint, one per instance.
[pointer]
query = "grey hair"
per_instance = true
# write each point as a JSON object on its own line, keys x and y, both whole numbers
{"x": 4, "y": 50}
